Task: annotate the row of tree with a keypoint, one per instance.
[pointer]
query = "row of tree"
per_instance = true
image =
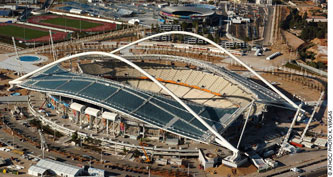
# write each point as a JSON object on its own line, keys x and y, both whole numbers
{"x": 310, "y": 30}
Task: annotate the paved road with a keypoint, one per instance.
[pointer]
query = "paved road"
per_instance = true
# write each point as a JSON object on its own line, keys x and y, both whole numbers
{"x": 268, "y": 26}
{"x": 312, "y": 170}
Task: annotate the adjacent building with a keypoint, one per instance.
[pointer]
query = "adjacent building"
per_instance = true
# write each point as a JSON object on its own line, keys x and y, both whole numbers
{"x": 48, "y": 166}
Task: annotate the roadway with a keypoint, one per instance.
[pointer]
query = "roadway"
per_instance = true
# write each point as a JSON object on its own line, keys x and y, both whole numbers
{"x": 268, "y": 26}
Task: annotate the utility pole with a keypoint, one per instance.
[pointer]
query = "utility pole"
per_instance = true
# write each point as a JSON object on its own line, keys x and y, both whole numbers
{"x": 13, "y": 39}
{"x": 17, "y": 56}
{"x": 101, "y": 155}
{"x": 13, "y": 140}
{"x": 312, "y": 115}
{"x": 43, "y": 144}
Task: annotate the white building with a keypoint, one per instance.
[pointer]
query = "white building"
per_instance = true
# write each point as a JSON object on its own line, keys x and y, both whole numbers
{"x": 76, "y": 11}
{"x": 133, "y": 21}
{"x": 239, "y": 20}
{"x": 38, "y": 171}
{"x": 55, "y": 167}
{"x": 27, "y": 1}
{"x": 269, "y": 2}
{"x": 207, "y": 160}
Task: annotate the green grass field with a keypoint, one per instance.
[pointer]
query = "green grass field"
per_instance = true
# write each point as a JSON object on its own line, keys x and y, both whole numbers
{"x": 70, "y": 23}
{"x": 19, "y": 32}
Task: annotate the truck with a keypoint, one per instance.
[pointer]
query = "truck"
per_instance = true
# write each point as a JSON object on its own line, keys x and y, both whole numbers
{"x": 16, "y": 151}
{"x": 273, "y": 55}
{"x": 258, "y": 52}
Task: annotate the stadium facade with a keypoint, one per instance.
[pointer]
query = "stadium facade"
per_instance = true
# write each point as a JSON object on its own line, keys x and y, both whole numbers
{"x": 189, "y": 13}
{"x": 198, "y": 103}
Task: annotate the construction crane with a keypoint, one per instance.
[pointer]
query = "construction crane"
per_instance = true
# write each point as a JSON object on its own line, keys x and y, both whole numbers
{"x": 41, "y": 107}
{"x": 43, "y": 144}
{"x": 286, "y": 138}
{"x": 312, "y": 115}
{"x": 144, "y": 151}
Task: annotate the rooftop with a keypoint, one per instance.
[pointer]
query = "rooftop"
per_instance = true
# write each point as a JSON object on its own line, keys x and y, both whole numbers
{"x": 154, "y": 109}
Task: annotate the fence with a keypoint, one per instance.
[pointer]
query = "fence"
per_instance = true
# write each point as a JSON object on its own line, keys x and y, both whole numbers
{"x": 320, "y": 72}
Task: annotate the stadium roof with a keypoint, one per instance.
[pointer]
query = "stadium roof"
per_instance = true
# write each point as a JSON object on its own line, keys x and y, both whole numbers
{"x": 124, "y": 12}
{"x": 197, "y": 11}
{"x": 151, "y": 108}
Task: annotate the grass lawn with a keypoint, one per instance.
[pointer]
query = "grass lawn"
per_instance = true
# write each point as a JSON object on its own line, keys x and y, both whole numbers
{"x": 24, "y": 33}
{"x": 70, "y": 23}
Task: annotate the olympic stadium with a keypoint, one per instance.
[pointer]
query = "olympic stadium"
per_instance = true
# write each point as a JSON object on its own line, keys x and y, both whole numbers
{"x": 165, "y": 98}
{"x": 189, "y": 13}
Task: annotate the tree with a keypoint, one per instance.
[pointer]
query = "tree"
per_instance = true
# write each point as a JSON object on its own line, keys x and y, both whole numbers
{"x": 74, "y": 136}
{"x": 205, "y": 30}
{"x": 210, "y": 36}
{"x": 124, "y": 150}
{"x": 196, "y": 25}
{"x": 175, "y": 22}
{"x": 181, "y": 38}
{"x": 305, "y": 16}
{"x": 136, "y": 153}
{"x": 157, "y": 28}
{"x": 184, "y": 26}
{"x": 217, "y": 38}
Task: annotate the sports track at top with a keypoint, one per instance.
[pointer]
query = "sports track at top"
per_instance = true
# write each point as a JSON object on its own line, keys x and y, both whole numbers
{"x": 71, "y": 23}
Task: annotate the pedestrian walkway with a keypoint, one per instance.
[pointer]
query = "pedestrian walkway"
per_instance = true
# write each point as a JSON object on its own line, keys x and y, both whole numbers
{"x": 11, "y": 63}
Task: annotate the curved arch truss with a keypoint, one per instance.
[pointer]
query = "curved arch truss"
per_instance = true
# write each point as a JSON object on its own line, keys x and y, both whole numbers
{"x": 219, "y": 139}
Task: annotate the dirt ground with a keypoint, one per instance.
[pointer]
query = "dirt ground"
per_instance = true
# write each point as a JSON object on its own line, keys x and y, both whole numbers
{"x": 5, "y": 77}
{"x": 293, "y": 41}
{"x": 223, "y": 171}
{"x": 294, "y": 88}
{"x": 23, "y": 162}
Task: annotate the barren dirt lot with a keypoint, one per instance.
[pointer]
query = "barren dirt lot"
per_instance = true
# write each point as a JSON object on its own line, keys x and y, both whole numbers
{"x": 294, "y": 88}
{"x": 224, "y": 171}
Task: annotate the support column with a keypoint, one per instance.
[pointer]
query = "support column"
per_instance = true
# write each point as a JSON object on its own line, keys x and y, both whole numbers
{"x": 113, "y": 132}
{"x": 143, "y": 130}
{"x": 312, "y": 115}
{"x": 91, "y": 121}
{"x": 247, "y": 118}
{"x": 77, "y": 117}
{"x": 163, "y": 136}
{"x": 107, "y": 126}
{"x": 80, "y": 120}
{"x": 124, "y": 130}
{"x": 158, "y": 135}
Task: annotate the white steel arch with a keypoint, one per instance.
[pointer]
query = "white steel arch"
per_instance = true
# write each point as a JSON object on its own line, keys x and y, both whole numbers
{"x": 217, "y": 46}
{"x": 220, "y": 139}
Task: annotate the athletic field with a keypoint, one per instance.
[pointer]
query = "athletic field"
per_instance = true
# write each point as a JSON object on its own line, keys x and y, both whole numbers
{"x": 73, "y": 23}
{"x": 20, "y": 32}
